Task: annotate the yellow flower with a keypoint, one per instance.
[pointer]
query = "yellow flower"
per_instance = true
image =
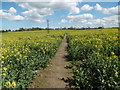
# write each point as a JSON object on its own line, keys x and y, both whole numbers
{"x": 18, "y": 53}
{"x": 14, "y": 84}
{"x": 2, "y": 62}
{"x": 2, "y": 57}
{"x": 116, "y": 74}
{"x": 112, "y": 53}
{"x": 4, "y": 74}
{"x": 115, "y": 56}
{"x": 8, "y": 83}
{"x": 4, "y": 68}
{"x": 95, "y": 45}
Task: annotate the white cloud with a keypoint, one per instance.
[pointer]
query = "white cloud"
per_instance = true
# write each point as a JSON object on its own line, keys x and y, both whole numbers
{"x": 98, "y": 7}
{"x": 70, "y": 5}
{"x": 12, "y": 10}
{"x": 10, "y": 15}
{"x": 112, "y": 10}
{"x": 86, "y": 7}
{"x": 43, "y": 0}
{"x": 38, "y": 10}
{"x": 74, "y": 10}
{"x": 61, "y": 0}
{"x": 83, "y": 16}
{"x": 33, "y": 15}
{"x": 17, "y": 17}
{"x": 77, "y": 19}
{"x": 111, "y": 21}
{"x": 87, "y": 20}
{"x": 63, "y": 21}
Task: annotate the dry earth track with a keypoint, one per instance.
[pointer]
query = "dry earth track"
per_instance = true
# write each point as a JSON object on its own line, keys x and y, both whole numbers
{"x": 51, "y": 77}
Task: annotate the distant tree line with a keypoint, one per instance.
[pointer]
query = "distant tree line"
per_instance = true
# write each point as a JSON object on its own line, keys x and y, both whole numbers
{"x": 62, "y": 28}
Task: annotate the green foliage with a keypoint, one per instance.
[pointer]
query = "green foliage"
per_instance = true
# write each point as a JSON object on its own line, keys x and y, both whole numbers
{"x": 23, "y": 56}
{"x": 97, "y": 72}
{"x": 99, "y": 54}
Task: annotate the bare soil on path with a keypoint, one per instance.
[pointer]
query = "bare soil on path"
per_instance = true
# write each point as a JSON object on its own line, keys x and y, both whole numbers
{"x": 53, "y": 76}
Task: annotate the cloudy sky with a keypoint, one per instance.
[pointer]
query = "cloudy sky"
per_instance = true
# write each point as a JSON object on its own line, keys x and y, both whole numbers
{"x": 31, "y": 13}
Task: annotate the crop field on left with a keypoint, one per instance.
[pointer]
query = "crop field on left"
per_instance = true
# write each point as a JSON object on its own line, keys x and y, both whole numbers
{"x": 25, "y": 52}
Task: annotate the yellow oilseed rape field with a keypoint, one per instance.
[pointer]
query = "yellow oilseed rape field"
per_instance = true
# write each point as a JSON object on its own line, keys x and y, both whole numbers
{"x": 93, "y": 56}
{"x": 94, "y": 59}
{"x": 25, "y": 52}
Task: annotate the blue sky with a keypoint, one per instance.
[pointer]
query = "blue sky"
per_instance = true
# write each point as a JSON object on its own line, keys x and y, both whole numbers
{"x": 78, "y": 14}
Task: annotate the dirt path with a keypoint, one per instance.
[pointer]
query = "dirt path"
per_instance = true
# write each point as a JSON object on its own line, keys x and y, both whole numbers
{"x": 51, "y": 77}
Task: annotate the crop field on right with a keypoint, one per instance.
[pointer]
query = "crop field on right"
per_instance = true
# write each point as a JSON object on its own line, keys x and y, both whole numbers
{"x": 94, "y": 59}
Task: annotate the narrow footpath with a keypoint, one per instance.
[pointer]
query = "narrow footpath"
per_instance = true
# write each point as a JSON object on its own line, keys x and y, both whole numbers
{"x": 53, "y": 76}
